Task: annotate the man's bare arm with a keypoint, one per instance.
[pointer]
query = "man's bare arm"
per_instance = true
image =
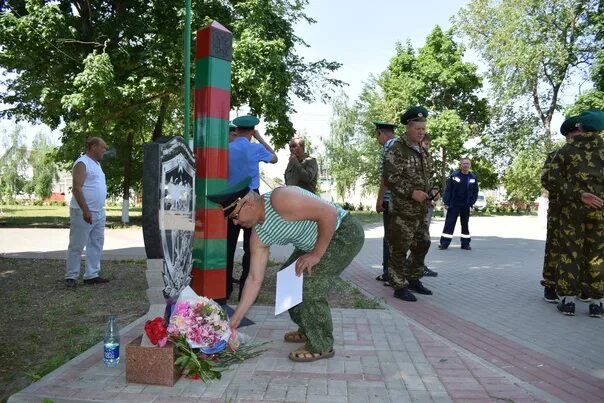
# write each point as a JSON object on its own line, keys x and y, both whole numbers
{"x": 258, "y": 261}
{"x": 79, "y": 176}
{"x": 294, "y": 206}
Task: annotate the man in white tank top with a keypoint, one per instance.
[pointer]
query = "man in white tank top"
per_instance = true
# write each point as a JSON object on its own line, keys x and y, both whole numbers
{"x": 87, "y": 215}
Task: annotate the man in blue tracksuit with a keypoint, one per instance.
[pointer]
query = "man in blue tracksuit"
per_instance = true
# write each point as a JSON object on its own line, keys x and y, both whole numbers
{"x": 460, "y": 195}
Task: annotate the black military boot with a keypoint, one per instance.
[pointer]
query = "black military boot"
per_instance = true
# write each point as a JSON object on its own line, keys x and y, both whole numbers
{"x": 549, "y": 294}
{"x": 596, "y": 310}
{"x": 429, "y": 273}
{"x": 566, "y": 308}
{"x": 404, "y": 294}
{"x": 418, "y": 287}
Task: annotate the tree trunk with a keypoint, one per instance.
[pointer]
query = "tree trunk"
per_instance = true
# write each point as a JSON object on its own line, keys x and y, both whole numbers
{"x": 159, "y": 123}
{"x": 126, "y": 183}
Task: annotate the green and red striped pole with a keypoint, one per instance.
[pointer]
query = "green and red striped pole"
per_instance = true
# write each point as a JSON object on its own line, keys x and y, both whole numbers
{"x": 214, "y": 51}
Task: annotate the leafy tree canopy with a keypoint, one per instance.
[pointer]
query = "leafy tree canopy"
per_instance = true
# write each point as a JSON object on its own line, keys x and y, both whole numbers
{"x": 13, "y": 164}
{"x": 435, "y": 76}
{"x": 45, "y": 171}
{"x": 531, "y": 47}
{"x": 342, "y": 148}
{"x": 522, "y": 179}
{"x": 114, "y": 69}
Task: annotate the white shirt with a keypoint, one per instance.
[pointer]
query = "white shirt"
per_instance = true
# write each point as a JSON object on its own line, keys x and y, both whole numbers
{"x": 94, "y": 187}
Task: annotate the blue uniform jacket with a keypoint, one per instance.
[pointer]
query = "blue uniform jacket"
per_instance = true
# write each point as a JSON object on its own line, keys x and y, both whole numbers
{"x": 454, "y": 190}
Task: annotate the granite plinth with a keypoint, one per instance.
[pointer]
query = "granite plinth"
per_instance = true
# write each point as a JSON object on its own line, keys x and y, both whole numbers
{"x": 151, "y": 365}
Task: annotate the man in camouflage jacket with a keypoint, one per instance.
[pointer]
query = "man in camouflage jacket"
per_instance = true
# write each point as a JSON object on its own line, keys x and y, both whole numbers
{"x": 408, "y": 175}
{"x": 579, "y": 173}
{"x": 552, "y": 242}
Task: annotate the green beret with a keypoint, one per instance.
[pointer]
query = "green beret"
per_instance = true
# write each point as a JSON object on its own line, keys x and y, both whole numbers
{"x": 383, "y": 125}
{"x": 415, "y": 113}
{"x": 569, "y": 125}
{"x": 229, "y": 197}
{"x": 592, "y": 120}
{"x": 246, "y": 121}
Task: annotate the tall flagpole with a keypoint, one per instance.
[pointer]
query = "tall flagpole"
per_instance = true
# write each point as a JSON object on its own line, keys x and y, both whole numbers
{"x": 187, "y": 50}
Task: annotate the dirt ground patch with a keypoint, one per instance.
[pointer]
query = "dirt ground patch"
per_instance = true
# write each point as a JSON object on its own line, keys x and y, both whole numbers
{"x": 45, "y": 324}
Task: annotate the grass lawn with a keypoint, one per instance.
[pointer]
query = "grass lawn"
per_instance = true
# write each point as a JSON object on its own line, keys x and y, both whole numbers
{"x": 367, "y": 217}
{"x": 17, "y": 216}
{"x": 45, "y": 324}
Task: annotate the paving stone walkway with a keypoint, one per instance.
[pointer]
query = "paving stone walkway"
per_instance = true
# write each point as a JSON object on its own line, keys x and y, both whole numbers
{"x": 484, "y": 336}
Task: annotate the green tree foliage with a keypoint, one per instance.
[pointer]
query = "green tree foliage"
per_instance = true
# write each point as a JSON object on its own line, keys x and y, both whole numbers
{"x": 522, "y": 179}
{"x": 594, "y": 98}
{"x": 342, "y": 148}
{"x": 485, "y": 172}
{"x": 434, "y": 76}
{"x": 531, "y": 47}
{"x": 114, "y": 69}
{"x": 512, "y": 130}
{"x": 13, "y": 164}
{"x": 44, "y": 169}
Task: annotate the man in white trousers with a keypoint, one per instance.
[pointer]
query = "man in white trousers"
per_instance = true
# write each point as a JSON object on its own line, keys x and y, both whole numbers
{"x": 87, "y": 215}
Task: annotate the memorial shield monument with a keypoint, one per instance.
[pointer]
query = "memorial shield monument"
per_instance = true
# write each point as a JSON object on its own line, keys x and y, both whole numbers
{"x": 168, "y": 215}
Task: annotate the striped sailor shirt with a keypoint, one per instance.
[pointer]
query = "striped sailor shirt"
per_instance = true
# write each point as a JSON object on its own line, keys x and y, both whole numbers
{"x": 302, "y": 234}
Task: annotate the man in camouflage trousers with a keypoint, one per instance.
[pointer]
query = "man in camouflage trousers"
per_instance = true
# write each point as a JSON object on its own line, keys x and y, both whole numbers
{"x": 578, "y": 171}
{"x": 326, "y": 239}
{"x": 552, "y": 243}
{"x": 408, "y": 175}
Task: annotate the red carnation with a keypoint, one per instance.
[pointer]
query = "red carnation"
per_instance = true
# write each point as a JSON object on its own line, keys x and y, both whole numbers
{"x": 156, "y": 331}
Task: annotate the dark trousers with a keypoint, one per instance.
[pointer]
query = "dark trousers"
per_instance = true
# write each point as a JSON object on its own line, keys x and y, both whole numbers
{"x": 463, "y": 212}
{"x": 313, "y": 315}
{"x": 385, "y": 249}
{"x": 232, "y": 237}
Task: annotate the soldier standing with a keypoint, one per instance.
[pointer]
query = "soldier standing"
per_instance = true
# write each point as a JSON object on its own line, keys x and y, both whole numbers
{"x": 580, "y": 175}
{"x": 408, "y": 175}
{"x": 384, "y": 133}
{"x": 244, "y": 160}
{"x": 552, "y": 242}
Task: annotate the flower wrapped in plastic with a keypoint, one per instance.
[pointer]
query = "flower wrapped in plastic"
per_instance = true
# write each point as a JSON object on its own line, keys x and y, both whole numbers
{"x": 205, "y": 344}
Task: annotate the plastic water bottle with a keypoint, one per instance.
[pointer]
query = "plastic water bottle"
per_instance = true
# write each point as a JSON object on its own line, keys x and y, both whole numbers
{"x": 111, "y": 348}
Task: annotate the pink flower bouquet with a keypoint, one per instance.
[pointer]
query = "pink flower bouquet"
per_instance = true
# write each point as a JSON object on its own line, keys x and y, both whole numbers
{"x": 205, "y": 344}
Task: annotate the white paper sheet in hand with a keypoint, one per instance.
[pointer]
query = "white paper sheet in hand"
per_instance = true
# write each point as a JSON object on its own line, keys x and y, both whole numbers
{"x": 289, "y": 289}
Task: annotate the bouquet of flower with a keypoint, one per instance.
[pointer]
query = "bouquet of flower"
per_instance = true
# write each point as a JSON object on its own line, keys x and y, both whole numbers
{"x": 205, "y": 344}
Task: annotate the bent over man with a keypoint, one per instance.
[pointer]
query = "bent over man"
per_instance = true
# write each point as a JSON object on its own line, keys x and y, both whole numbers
{"x": 326, "y": 239}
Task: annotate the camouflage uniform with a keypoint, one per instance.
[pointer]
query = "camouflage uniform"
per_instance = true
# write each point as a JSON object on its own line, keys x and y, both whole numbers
{"x": 552, "y": 244}
{"x": 581, "y": 169}
{"x": 407, "y": 169}
{"x": 313, "y": 315}
{"x": 304, "y": 174}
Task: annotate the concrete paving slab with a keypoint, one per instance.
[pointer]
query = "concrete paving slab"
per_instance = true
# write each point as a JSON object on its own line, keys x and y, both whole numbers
{"x": 485, "y": 335}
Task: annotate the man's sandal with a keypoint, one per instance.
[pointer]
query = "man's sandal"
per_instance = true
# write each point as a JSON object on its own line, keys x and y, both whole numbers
{"x": 295, "y": 336}
{"x": 303, "y": 355}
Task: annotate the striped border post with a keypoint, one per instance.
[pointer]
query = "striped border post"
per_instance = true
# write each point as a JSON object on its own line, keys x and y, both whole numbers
{"x": 214, "y": 52}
